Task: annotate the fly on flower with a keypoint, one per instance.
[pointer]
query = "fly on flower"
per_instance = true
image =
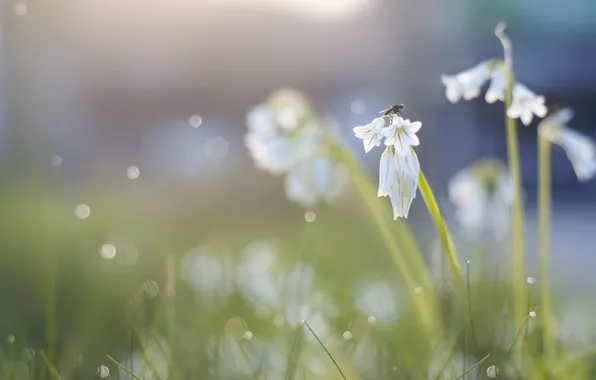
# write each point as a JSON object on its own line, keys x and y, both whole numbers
{"x": 393, "y": 110}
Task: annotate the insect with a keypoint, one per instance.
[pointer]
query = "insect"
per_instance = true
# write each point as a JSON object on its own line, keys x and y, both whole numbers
{"x": 394, "y": 110}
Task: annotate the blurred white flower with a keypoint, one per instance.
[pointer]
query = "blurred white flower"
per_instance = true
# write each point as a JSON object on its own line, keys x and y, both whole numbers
{"x": 314, "y": 180}
{"x": 402, "y": 134}
{"x": 466, "y": 84}
{"x": 483, "y": 195}
{"x": 496, "y": 90}
{"x": 525, "y": 104}
{"x": 371, "y": 133}
{"x": 285, "y": 137}
{"x": 580, "y": 149}
{"x": 211, "y": 276}
{"x": 378, "y": 300}
{"x": 398, "y": 179}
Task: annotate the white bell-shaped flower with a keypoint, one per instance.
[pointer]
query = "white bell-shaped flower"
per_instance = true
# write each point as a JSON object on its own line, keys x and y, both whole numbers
{"x": 371, "y": 133}
{"x": 580, "y": 149}
{"x": 466, "y": 84}
{"x": 402, "y": 134}
{"x": 526, "y": 104}
{"x": 496, "y": 89}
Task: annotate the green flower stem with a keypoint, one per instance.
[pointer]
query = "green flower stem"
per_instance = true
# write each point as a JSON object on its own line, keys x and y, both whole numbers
{"x": 544, "y": 196}
{"x": 519, "y": 290}
{"x": 409, "y": 263}
{"x": 444, "y": 235}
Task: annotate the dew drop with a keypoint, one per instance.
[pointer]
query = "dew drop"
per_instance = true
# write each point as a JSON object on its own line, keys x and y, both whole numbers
{"x": 347, "y": 335}
{"x": 531, "y": 280}
{"x": 357, "y": 107}
{"x": 248, "y": 335}
{"x": 372, "y": 319}
{"x": 82, "y": 211}
{"x": 492, "y": 372}
{"x": 195, "y": 121}
{"x": 310, "y": 216}
{"x": 133, "y": 172}
{"x": 56, "y": 161}
{"x": 10, "y": 339}
{"x": 103, "y": 371}
{"x": 532, "y": 314}
{"x": 107, "y": 251}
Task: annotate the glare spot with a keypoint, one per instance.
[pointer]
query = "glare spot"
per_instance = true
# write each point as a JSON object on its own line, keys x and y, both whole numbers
{"x": 418, "y": 290}
{"x": 150, "y": 288}
{"x": 531, "y": 280}
{"x": 19, "y": 8}
{"x": 279, "y": 320}
{"x": 248, "y": 335}
{"x": 492, "y": 372}
{"x": 195, "y": 121}
{"x": 56, "y": 161}
{"x": 10, "y": 339}
{"x": 310, "y": 216}
{"x": 216, "y": 148}
{"x": 532, "y": 314}
{"x": 357, "y": 107}
{"x": 133, "y": 172}
{"x": 103, "y": 371}
{"x": 347, "y": 335}
{"x": 372, "y": 319}
{"x": 107, "y": 251}
{"x": 82, "y": 211}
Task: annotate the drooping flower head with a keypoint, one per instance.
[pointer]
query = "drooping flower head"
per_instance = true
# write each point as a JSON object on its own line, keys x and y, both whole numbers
{"x": 526, "y": 104}
{"x": 482, "y": 194}
{"x": 466, "y": 84}
{"x": 579, "y": 148}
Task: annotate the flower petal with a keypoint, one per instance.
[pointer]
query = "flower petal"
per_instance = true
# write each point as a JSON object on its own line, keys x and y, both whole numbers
{"x": 414, "y": 127}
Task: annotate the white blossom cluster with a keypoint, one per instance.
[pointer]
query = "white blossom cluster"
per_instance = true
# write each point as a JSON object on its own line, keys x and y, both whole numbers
{"x": 399, "y": 167}
{"x": 580, "y": 149}
{"x": 286, "y": 138}
{"x": 469, "y": 83}
{"x": 483, "y": 195}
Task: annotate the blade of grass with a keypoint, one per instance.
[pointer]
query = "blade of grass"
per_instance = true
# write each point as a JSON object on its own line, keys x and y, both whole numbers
{"x": 50, "y": 366}
{"x": 444, "y": 235}
{"x": 544, "y": 226}
{"x": 123, "y": 367}
{"x": 294, "y": 355}
{"x": 519, "y": 291}
{"x": 472, "y": 367}
{"x": 326, "y": 350}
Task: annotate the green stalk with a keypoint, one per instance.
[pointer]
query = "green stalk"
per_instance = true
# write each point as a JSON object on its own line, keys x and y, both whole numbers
{"x": 444, "y": 235}
{"x": 519, "y": 291}
{"x": 423, "y": 302}
{"x": 544, "y": 196}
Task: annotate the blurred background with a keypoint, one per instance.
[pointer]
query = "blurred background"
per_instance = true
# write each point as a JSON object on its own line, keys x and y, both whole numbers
{"x": 92, "y": 88}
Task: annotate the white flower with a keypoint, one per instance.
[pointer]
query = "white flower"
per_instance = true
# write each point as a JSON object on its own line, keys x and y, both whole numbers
{"x": 404, "y": 189}
{"x": 579, "y": 148}
{"x": 496, "y": 90}
{"x": 402, "y": 134}
{"x": 466, "y": 84}
{"x": 387, "y": 172}
{"x": 525, "y": 104}
{"x": 483, "y": 195}
{"x": 315, "y": 180}
{"x": 370, "y": 133}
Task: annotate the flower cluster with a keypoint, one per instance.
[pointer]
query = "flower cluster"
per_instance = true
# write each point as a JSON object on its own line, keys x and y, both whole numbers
{"x": 399, "y": 167}
{"x": 286, "y": 138}
{"x": 468, "y": 85}
{"x": 579, "y": 148}
{"x": 483, "y": 195}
